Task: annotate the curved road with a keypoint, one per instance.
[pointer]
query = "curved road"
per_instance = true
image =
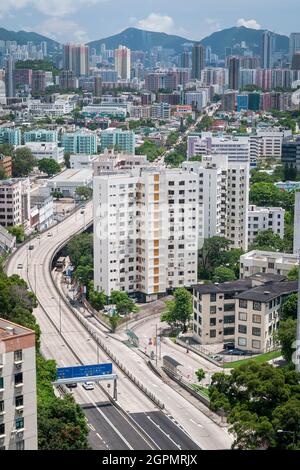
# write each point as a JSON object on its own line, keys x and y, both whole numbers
{"x": 54, "y": 315}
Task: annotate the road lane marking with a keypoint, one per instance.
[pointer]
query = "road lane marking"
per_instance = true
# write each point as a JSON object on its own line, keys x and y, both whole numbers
{"x": 109, "y": 422}
{"x": 167, "y": 435}
{"x": 197, "y": 424}
{"x": 91, "y": 427}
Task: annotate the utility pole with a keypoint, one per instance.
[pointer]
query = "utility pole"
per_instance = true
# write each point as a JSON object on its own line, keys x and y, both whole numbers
{"x": 298, "y": 326}
{"x": 156, "y": 345}
{"x": 59, "y": 302}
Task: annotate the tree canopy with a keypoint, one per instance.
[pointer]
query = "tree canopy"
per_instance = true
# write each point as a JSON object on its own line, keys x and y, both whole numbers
{"x": 49, "y": 166}
{"x": 179, "y": 311}
{"x": 256, "y": 399}
{"x": 23, "y": 162}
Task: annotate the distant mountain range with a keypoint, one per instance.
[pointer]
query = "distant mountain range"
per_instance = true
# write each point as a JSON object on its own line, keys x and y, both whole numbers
{"x": 22, "y": 37}
{"x": 137, "y": 39}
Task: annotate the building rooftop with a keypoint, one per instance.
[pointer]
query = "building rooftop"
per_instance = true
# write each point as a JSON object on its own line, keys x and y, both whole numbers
{"x": 73, "y": 175}
{"x": 266, "y": 293}
{"x": 10, "y": 330}
{"x": 240, "y": 285}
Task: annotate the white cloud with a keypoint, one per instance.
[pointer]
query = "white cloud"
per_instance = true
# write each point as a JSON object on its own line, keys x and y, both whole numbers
{"x": 248, "y": 23}
{"x": 62, "y": 30}
{"x": 47, "y": 7}
{"x": 158, "y": 23}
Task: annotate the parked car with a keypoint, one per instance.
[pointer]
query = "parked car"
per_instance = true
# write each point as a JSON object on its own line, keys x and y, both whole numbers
{"x": 88, "y": 385}
{"x": 217, "y": 357}
{"x": 31, "y": 247}
{"x": 20, "y": 266}
{"x": 49, "y": 234}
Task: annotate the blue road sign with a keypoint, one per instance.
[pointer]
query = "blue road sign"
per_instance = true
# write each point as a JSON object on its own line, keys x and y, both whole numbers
{"x": 84, "y": 371}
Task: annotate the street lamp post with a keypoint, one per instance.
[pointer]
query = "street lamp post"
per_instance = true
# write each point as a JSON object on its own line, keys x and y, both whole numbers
{"x": 298, "y": 326}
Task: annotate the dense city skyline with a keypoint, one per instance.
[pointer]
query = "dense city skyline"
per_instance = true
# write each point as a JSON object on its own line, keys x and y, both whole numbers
{"x": 83, "y": 21}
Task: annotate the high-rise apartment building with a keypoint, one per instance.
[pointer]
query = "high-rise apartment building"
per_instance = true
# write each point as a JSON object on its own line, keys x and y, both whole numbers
{"x": 18, "y": 403}
{"x": 267, "y": 49}
{"x": 67, "y": 80}
{"x": 76, "y": 58}
{"x": 80, "y": 142}
{"x": 38, "y": 83}
{"x": 236, "y": 148}
{"x": 10, "y": 135}
{"x": 234, "y": 73}
{"x": 198, "y": 61}
{"x": 118, "y": 139}
{"x": 223, "y": 198}
{"x": 146, "y": 231}
{"x": 294, "y": 44}
{"x": 9, "y": 77}
{"x": 123, "y": 62}
{"x": 265, "y": 218}
{"x": 40, "y": 135}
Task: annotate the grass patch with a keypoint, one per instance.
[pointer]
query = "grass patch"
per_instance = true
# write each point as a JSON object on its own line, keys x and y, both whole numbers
{"x": 200, "y": 389}
{"x": 258, "y": 359}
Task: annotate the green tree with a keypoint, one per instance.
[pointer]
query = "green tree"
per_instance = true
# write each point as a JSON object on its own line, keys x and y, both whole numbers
{"x": 254, "y": 397}
{"x": 124, "y": 304}
{"x": 222, "y": 274}
{"x": 200, "y": 374}
{"x": 286, "y": 335}
{"x": 96, "y": 299}
{"x": 180, "y": 310}
{"x": 57, "y": 195}
{"x": 114, "y": 320}
{"x": 80, "y": 246}
{"x": 18, "y": 232}
{"x": 23, "y": 162}
{"x": 210, "y": 255}
{"x": 289, "y": 307}
{"x": 3, "y": 175}
{"x": 84, "y": 193}
{"x": 49, "y": 166}
{"x": 293, "y": 274}
{"x": 7, "y": 150}
{"x": 269, "y": 241}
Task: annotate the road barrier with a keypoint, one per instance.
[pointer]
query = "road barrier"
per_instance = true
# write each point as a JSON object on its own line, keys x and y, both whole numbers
{"x": 100, "y": 343}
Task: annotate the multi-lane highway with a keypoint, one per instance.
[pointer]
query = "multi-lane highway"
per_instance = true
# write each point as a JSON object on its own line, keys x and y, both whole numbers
{"x": 139, "y": 424}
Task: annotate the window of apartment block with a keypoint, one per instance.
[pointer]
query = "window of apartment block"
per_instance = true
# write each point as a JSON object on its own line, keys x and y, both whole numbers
{"x": 242, "y": 342}
{"x": 257, "y": 306}
{"x": 229, "y": 307}
{"x": 243, "y": 316}
{"x": 18, "y": 355}
{"x": 213, "y": 297}
{"x": 256, "y": 331}
{"x": 1, "y": 406}
{"x": 256, "y": 318}
{"x": 213, "y": 334}
{"x": 243, "y": 329}
{"x": 2, "y": 429}
{"x": 213, "y": 310}
{"x": 243, "y": 304}
{"x": 1, "y": 382}
{"x": 256, "y": 344}
{"x": 213, "y": 322}
{"x": 229, "y": 319}
{"x": 18, "y": 378}
{"x": 19, "y": 423}
{"x": 19, "y": 401}
{"x": 228, "y": 331}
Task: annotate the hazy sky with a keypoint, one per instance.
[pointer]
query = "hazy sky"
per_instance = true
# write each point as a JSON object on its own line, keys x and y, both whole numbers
{"x": 84, "y": 20}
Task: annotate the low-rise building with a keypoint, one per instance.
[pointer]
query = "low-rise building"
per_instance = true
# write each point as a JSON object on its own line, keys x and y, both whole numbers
{"x": 110, "y": 161}
{"x": 265, "y": 218}
{"x": 84, "y": 142}
{"x": 42, "y": 202}
{"x": 18, "y": 402}
{"x": 113, "y": 138}
{"x": 40, "y": 135}
{"x": 42, "y": 150}
{"x": 69, "y": 180}
{"x": 267, "y": 262}
{"x": 81, "y": 161}
{"x": 7, "y": 241}
{"x": 244, "y": 312}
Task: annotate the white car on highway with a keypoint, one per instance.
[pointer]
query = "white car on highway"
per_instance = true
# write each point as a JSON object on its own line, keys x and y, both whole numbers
{"x": 88, "y": 385}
